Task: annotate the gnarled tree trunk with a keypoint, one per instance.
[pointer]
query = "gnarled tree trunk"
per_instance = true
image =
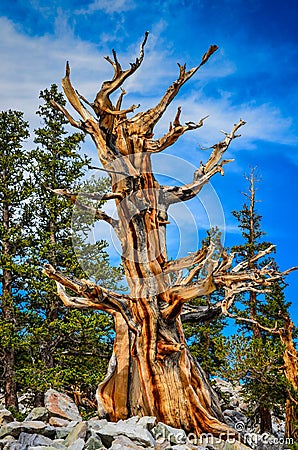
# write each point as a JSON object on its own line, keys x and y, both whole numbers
{"x": 152, "y": 371}
{"x": 291, "y": 374}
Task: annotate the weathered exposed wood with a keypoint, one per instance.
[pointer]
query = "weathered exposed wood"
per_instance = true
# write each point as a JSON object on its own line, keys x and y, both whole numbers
{"x": 152, "y": 371}
{"x": 155, "y": 146}
{"x": 90, "y": 195}
{"x": 96, "y": 213}
{"x": 92, "y": 295}
{"x": 200, "y": 314}
{"x": 174, "y": 194}
{"x": 143, "y": 123}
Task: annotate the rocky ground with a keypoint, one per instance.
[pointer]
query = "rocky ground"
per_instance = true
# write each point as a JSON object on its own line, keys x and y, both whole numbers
{"x": 59, "y": 426}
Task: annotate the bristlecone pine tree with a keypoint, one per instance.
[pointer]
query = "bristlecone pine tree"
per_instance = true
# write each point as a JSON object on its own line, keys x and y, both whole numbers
{"x": 152, "y": 371}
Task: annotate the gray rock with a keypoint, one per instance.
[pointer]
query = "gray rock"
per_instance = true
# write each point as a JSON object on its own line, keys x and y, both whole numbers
{"x": 34, "y": 440}
{"x": 6, "y": 442}
{"x": 147, "y": 422}
{"x": 59, "y": 444}
{"x": 17, "y": 446}
{"x": 79, "y": 444}
{"x": 10, "y": 429}
{"x": 63, "y": 432}
{"x": 165, "y": 432}
{"x": 124, "y": 443}
{"x": 97, "y": 424}
{"x": 133, "y": 431}
{"x": 236, "y": 416}
{"x": 15, "y": 428}
{"x": 186, "y": 447}
{"x": 94, "y": 443}
{"x": 61, "y": 405}
{"x": 78, "y": 432}
{"x": 58, "y": 422}
{"x": 278, "y": 427}
{"x": 44, "y": 447}
{"x": 5, "y": 415}
{"x": 39, "y": 413}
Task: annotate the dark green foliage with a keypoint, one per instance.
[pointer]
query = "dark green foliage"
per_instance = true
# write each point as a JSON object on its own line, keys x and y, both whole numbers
{"x": 15, "y": 189}
{"x": 42, "y": 343}
{"x": 256, "y": 355}
{"x": 257, "y": 364}
{"x": 206, "y": 341}
{"x": 64, "y": 349}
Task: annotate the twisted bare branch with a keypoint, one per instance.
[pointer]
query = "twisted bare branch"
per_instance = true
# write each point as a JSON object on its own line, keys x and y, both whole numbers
{"x": 215, "y": 163}
{"x": 143, "y": 123}
{"x": 92, "y": 296}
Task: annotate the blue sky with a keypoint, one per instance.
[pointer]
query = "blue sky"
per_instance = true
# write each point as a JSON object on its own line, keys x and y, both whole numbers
{"x": 253, "y": 76}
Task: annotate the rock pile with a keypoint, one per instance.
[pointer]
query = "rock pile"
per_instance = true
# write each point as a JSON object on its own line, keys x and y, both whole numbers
{"x": 59, "y": 426}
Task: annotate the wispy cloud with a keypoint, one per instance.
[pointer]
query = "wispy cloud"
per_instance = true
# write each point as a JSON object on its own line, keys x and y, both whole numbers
{"x": 33, "y": 63}
{"x": 108, "y": 6}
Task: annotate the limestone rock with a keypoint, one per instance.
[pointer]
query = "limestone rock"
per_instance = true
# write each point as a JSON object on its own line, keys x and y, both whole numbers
{"x": 133, "y": 431}
{"x": 79, "y": 444}
{"x": 96, "y": 424}
{"x": 5, "y": 415}
{"x": 44, "y": 447}
{"x": 63, "y": 432}
{"x": 94, "y": 443}
{"x": 78, "y": 432}
{"x": 173, "y": 435}
{"x": 34, "y": 440}
{"x": 39, "y": 413}
{"x": 16, "y": 428}
{"x": 61, "y": 405}
{"x": 6, "y": 442}
{"x": 124, "y": 443}
{"x": 58, "y": 422}
{"x": 147, "y": 422}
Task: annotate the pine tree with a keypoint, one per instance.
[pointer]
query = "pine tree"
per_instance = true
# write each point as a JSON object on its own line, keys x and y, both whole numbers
{"x": 14, "y": 193}
{"x": 64, "y": 347}
{"x": 152, "y": 368}
{"x": 257, "y": 362}
{"x": 206, "y": 340}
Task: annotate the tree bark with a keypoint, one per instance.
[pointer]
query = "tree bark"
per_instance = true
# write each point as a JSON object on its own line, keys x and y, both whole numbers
{"x": 291, "y": 374}
{"x": 152, "y": 371}
{"x": 265, "y": 420}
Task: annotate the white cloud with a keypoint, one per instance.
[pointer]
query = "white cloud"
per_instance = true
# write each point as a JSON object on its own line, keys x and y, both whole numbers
{"x": 31, "y": 64}
{"x": 108, "y": 6}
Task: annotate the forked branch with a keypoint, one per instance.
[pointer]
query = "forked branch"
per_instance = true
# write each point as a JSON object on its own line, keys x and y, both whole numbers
{"x": 92, "y": 296}
{"x": 90, "y": 195}
{"x": 215, "y": 163}
{"x": 96, "y": 213}
{"x": 213, "y": 274}
{"x": 73, "y": 97}
{"x": 102, "y": 103}
{"x": 176, "y": 130}
{"x": 143, "y": 123}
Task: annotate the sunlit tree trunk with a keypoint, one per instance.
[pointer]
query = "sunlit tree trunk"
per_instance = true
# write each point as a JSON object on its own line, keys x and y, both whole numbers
{"x": 151, "y": 371}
